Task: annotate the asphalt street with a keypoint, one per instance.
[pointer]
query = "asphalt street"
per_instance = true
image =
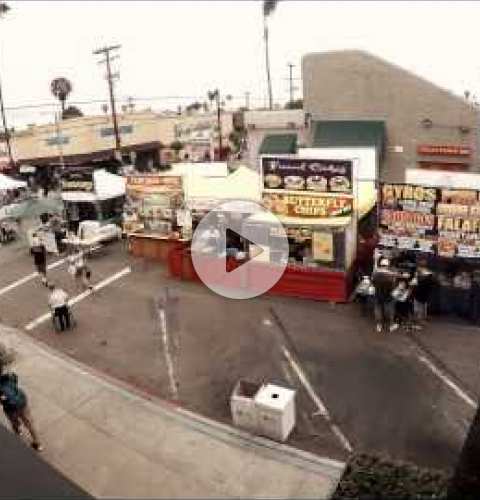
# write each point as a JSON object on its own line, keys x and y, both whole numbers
{"x": 389, "y": 394}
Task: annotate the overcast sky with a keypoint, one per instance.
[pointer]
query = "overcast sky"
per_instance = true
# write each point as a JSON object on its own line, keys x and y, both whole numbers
{"x": 186, "y": 48}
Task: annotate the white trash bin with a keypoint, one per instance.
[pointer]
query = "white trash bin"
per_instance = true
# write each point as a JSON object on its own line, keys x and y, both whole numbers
{"x": 242, "y": 405}
{"x": 275, "y": 408}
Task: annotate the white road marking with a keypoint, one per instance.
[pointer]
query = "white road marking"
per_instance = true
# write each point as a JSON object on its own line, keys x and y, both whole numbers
{"x": 168, "y": 356}
{"x": 102, "y": 284}
{"x": 29, "y": 277}
{"x": 447, "y": 381}
{"x": 321, "y": 408}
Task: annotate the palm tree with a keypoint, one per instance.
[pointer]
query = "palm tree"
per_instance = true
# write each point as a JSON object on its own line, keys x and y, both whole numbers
{"x": 61, "y": 89}
{"x": 268, "y": 9}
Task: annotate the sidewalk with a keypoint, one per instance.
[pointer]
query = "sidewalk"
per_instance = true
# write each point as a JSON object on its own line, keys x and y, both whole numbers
{"x": 114, "y": 442}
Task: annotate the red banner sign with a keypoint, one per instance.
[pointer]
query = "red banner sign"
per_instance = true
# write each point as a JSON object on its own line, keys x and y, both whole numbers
{"x": 432, "y": 150}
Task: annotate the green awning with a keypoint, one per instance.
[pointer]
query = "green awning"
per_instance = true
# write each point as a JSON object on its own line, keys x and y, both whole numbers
{"x": 345, "y": 133}
{"x": 276, "y": 144}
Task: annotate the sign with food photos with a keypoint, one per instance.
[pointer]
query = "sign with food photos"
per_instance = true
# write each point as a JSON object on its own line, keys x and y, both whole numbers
{"x": 430, "y": 219}
{"x": 308, "y": 206}
{"x": 302, "y": 174}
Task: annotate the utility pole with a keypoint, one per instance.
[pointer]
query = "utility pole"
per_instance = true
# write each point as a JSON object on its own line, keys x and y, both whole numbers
{"x": 290, "y": 67}
{"x": 5, "y": 128}
{"x": 4, "y": 8}
{"x": 106, "y": 51}
{"x": 247, "y": 100}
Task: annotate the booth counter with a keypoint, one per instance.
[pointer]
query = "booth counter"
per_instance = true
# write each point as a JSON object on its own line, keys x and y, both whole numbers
{"x": 154, "y": 247}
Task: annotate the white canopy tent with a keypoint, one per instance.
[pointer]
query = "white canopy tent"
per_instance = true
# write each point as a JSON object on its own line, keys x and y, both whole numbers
{"x": 243, "y": 184}
{"x": 9, "y": 183}
{"x": 105, "y": 185}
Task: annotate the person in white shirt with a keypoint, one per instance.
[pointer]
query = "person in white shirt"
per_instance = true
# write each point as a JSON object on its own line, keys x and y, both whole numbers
{"x": 58, "y": 302}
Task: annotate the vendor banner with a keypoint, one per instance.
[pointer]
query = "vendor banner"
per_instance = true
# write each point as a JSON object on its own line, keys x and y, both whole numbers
{"x": 407, "y": 217}
{"x": 300, "y": 174}
{"x": 429, "y": 219}
{"x": 77, "y": 180}
{"x": 303, "y": 205}
{"x": 154, "y": 183}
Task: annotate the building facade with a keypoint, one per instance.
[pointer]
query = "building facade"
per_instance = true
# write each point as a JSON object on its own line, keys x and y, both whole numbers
{"x": 146, "y": 138}
{"x": 425, "y": 126}
{"x": 273, "y": 132}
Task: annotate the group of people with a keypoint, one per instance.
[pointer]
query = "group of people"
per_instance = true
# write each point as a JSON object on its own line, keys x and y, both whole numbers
{"x": 399, "y": 297}
{"x": 78, "y": 268}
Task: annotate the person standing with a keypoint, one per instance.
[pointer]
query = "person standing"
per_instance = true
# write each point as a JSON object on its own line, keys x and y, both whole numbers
{"x": 58, "y": 303}
{"x": 383, "y": 280}
{"x": 39, "y": 253}
{"x": 422, "y": 283}
{"x": 15, "y": 406}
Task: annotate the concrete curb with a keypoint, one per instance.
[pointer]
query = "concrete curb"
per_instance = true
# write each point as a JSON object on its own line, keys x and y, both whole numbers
{"x": 173, "y": 410}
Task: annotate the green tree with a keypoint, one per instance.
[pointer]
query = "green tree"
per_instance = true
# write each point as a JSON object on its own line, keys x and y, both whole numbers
{"x": 176, "y": 146}
{"x": 295, "y": 104}
{"x": 72, "y": 112}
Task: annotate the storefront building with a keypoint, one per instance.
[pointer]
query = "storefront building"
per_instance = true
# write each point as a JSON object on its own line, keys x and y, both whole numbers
{"x": 348, "y": 95}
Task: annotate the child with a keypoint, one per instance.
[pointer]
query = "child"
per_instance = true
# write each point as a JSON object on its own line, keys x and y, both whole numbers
{"x": 401, "y": 296}
{"x": 363, "y": 294}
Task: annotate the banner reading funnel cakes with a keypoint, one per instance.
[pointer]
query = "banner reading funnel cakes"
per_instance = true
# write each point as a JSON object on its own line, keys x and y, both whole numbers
{"x": 300, "y": 174}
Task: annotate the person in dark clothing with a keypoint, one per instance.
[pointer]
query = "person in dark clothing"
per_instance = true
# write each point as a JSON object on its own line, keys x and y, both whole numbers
{"x": 15, "y": 406}
{"x": 383, "y": 280}
{"x": 422, "y": 283}
{"x": 39, "y": 253}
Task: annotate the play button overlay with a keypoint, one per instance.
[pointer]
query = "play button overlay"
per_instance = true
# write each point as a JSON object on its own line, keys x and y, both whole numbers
{"x": 239, "y": 249}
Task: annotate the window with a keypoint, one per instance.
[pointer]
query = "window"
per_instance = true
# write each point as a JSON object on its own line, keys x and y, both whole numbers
{"x": 109, "y": 131}
{"x": 57, "y": 140}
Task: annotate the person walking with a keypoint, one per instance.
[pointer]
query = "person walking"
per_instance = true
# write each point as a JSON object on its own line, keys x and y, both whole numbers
{"x": 58, "y": 302}
{"x": 15, "y": 406}
{"x": 39, "y": 253}
{"x": 80, "y": 271}
{"x": 383, "y": 280}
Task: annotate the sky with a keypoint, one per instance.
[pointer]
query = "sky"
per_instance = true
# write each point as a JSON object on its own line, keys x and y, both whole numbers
{"x": 185, "y": 48}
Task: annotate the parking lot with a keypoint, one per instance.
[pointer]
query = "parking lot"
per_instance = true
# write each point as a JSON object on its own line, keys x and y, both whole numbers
{"x": 411, "y": 398}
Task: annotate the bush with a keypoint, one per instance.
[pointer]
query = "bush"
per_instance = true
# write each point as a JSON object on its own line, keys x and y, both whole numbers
{"x": 374, "y": 477}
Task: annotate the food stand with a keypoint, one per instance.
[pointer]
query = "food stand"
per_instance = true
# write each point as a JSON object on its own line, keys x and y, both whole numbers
{"x": 90, "y": 194}
{"x": 319, "y": 204}
{"x": 154, "y": 215}
{"x": 440, "y": 224}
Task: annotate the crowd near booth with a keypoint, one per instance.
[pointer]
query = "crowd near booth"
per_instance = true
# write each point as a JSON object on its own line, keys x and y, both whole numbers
{"x": 436, "y": 218}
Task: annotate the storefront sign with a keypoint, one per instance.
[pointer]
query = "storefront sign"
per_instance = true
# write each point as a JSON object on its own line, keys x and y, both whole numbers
{"x": 300, "y": 174}
{"x": 154, "y": 183}
{"x": 77, "y": 180}
{"x": 433, "y": 150}
{"x": 303, "y": 205}
{"x": 323, "y": 246}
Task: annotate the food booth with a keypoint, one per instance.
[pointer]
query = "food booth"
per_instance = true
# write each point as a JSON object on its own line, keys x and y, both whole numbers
{"x": 92, "y": 195}
{"x": 439, "y": 224}
{"x": 154, "y": 219}
{"x": 320, "y": 204}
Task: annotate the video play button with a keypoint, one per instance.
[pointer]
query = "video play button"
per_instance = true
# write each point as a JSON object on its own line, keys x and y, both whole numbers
{"x": 239, "y": 251}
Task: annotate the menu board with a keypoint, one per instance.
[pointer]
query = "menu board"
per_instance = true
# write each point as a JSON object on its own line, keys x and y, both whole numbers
{"x": 407, "y": 216}
{"x": 306, "y": 206}
{"x": 300, "y": 174}
{"x": 444, "y": 221}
